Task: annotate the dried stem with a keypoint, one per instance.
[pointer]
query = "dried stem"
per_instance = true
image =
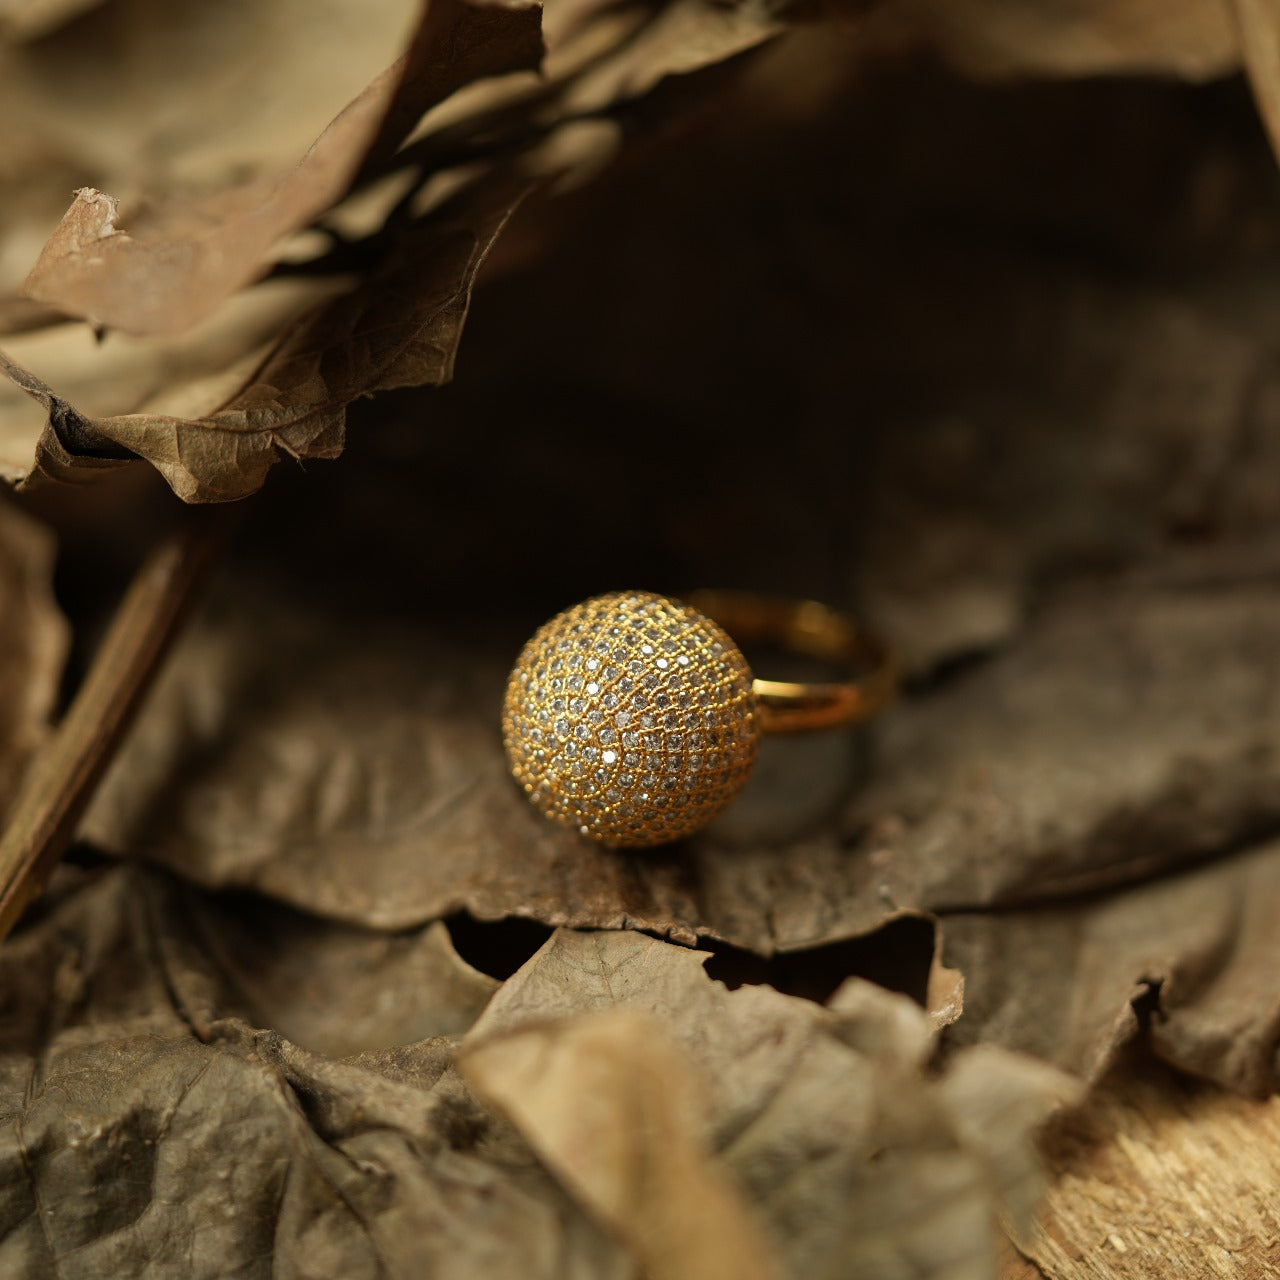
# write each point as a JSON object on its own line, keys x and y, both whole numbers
{"x": 61, "y": 782}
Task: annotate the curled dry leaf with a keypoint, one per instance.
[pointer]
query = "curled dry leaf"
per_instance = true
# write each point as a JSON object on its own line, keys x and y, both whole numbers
{"x": 328, "y": 987}
{"x": 617, "y": 1115}
{"x": 1188, "y": 959}
{"x": 180, "y": 260}
{"x": 401, "y": 325}
{"x": 183, "y": 261}
{"x": 1112, "y": 743}
{"x": 33, "y": 643}
{"x": 141, "y": 1150}
{"x": 150, "y": 1130}
{"x": 159, "y": 104}
{"x": 825, "y": 1118}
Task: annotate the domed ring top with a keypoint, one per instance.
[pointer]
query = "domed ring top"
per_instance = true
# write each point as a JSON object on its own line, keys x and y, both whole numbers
{"x": 635, "y": 719}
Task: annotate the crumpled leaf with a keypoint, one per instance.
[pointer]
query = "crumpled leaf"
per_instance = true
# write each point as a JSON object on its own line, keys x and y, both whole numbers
{"x": 1159, "y": 755}
{"x": 402, "y": 325}
{"x": 33, "y": 643}
{"x": 192, "y": 256}
{"x": 188, "y": 103}
{"x": 187, "y": 376}
{"x": 151, "y": 1131}
{"x": 1188, "y": 960}
{"x": 325, "y": 986}
{"x": 183, "y": 261}
{"x": 575, "y": 1090}
{"x": 150, "y": 1151}
{"x": 822, "y": 1116}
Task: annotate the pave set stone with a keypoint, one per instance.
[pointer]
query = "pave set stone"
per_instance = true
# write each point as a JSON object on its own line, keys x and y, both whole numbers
{"x": 631, "y": 718}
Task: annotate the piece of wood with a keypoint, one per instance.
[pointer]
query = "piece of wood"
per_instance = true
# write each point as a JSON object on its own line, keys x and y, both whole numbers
{"x": 61, "y": 781}
{"x": 1158, "y": 1177}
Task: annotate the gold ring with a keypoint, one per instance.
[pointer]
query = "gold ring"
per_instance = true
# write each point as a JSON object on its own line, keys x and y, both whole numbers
{"x": 635, "y": 719}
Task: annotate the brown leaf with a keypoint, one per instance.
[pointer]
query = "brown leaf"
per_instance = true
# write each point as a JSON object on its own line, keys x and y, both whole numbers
{"x": 824, "y": 1117}
{"x": 33, "y": 643}
{"x": 400, "y": 326}
{"x": 1185, "y": 960}
{"x": 160, "y": 105}
{"x": 1113, "y": 742}
{"x": 327, "y": 987}
{"x": 144, "y": 1150}
{"x": 618, "y": 1116}
{"x": 150, "y": 1130}
{"x": 185, "y": 260}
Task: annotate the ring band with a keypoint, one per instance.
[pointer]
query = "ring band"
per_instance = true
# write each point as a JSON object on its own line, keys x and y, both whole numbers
{"x": 635, "y": 718}
{"x": 813, "y": 630}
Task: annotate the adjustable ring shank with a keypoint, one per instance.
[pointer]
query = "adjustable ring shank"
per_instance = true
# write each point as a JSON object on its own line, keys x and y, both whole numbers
{"x": 816, "y": 631}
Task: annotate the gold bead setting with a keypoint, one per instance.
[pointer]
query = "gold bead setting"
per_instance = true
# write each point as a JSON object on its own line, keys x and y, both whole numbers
{"x": 631, "y": 718}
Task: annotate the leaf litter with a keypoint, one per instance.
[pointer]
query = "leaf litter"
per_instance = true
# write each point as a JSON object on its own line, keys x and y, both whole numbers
{"x": 256, "y": 1043}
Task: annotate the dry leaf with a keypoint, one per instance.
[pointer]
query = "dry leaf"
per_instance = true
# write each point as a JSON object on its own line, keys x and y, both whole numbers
{"x": 618, "y": 1116}
{"x": 183, "y": 261}
{"x": 824, "y": 1117}
{"x": 186, "y": 376}
{"x": 133, "y": 1148}
{"x": 33, "y": 643}
{"x": 141, "y": 1111}
{"x": 400, "y": 326}
{"x": 327, "y": 987}
{"x": 186, "y": 102}
{"x": 1111, "y": 743}
{"x": 1188, "y": 959}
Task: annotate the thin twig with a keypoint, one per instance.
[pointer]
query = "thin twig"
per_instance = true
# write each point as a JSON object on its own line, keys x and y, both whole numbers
{"x": 62, "y": 780}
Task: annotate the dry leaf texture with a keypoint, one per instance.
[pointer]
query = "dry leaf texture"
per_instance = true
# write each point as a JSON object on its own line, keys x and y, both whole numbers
{"x": 1067, "y": 524}
{"x": 231, "y": 1151}
{"x": 1039, "y": 380}
{"x": 173, "y": 265}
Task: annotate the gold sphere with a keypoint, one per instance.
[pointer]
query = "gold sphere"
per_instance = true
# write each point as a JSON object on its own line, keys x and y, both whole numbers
{"x": 631, "y": 718}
